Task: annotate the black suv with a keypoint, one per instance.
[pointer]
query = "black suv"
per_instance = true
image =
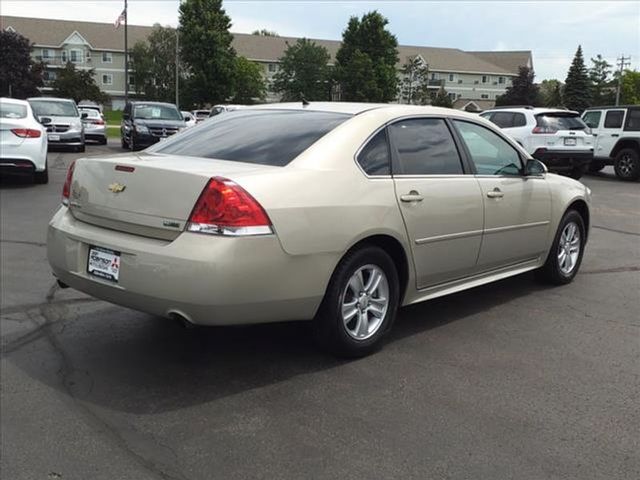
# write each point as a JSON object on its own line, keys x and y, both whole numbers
{"x": 146, "y": 123}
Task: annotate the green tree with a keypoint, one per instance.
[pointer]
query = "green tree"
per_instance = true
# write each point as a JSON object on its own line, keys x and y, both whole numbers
{"x": 599, "y": 76}
{"x": 249, "y": 84}
{"x": 78, "y": 84}
{"x": 415, "y": 82}
{"x": 154, "y": 64}
{"x": 630, "y": 88}
{"x": 205, "y": 48}
{"x": 577, "y": 87}
{"x": 522, "y": 90}
{"x": 442, "y": 99}
{"x": 551, "y": 93}
{"x": 304, "y": 72}
{"x": 20, "y": 76}
{"x": 366, "y": 60}
{"x": 263, "y": 32}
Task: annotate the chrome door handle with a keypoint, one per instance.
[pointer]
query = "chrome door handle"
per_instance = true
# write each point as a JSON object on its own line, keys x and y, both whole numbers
{"x": 495, "y": 193}
{"x": 412, "y": 196}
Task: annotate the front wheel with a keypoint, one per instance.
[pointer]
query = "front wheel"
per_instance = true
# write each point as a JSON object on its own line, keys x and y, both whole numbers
{"x": 627, "y": 164}
{"x": 360, "y": 303}
{"x": 577, "y": 172}
{"x": 566, "y": 252}
{"x": 42, "y": 177}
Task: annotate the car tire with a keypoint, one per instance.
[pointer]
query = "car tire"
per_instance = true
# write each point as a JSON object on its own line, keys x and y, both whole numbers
{"x": 103, "y": 141}
{"x": 42, "y": 178}
{"x": 596, "y": 166}
{"x": 123, "y": 143}
{"x": 627, "y": 164}
{"x": 563, "y": 261}
{"x": 352, "y": 322}
{"x": 81, "y": 148}
{"x": 577, "y": 172}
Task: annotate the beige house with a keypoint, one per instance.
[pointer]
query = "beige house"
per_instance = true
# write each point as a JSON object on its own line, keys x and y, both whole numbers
{"x": 472, "y": 79}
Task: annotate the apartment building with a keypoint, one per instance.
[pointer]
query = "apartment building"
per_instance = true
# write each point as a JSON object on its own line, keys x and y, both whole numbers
{"x": 473, "y": 80}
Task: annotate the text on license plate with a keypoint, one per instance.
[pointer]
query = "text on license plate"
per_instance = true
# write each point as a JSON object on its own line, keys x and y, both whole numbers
{"x": 104, "y": 263}
{"x": 54, "y": 138}
{"x": 570, "y": 141}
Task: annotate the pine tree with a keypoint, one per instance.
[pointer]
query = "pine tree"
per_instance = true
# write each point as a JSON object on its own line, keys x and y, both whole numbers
{"x": 522, "y": 90}
{"x": 599, "y": 75}
{"x": 577, "y": 87}
{"x": 442, "y": 99}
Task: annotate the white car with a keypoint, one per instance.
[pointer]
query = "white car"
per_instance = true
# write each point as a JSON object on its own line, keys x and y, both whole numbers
{"x": 558, "y": 138}
{"x": 189, "y": 119}
{"x": 23, "y": 140}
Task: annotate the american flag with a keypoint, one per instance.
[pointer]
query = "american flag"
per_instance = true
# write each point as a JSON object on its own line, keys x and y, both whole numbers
{"x": 120, "y": 20}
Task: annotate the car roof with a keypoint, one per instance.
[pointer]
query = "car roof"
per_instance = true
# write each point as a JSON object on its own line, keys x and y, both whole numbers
{"x": 142, "y": 102}
{"x": 609, "y": 107}
{"x": 13, "y": 100}
{"x": 52, "y": 99}
{"x": 534, "y": 110}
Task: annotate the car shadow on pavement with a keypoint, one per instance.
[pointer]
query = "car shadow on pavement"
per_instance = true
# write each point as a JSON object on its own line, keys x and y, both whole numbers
{"x": 16, "y": 181}
{"x": 134, "y": 363}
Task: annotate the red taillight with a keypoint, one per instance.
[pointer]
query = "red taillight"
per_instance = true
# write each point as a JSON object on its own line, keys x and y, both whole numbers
{"x": 98, "y": 122}
{"x": 26, "y": 132}
{"x": 66, "y": 188}
{"x": 544, "y": 130}
{"x": 225, "y": 208}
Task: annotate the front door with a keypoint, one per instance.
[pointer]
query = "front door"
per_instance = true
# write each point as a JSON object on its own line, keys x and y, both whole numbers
{"x": 517, "y": 209}
{"x": 440, "y": 204}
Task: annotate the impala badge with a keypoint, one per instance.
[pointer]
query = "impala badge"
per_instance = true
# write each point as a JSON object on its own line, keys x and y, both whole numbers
{"x": 117, "y": 187}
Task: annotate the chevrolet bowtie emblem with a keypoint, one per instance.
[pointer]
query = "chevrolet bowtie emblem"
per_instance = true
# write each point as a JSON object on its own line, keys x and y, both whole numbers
{"x": 117, "y": 187}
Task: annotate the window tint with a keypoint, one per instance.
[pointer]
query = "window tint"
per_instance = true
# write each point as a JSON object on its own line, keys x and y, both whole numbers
{"x": 266, "y": 137}
{"x": 613, "y": 119}
{"x": 12, "y": 110}
{"x": 491, "y": 154}
{"x": 592, "y": 119}
{"x": 54, "y": 108}
{"x": 374, "y": 157}
{"x": 156, "y": 112}
{"x": 633, "y": 120}
{"x": 519, "y": 120}
{"x": 503, "y": 119}
{"x": 560, "y": 121}
{"x": 425, "y": 147}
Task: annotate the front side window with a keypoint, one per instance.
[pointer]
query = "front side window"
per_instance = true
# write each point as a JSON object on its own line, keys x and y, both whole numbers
{"x": 491, "y": 154}
{"x": 592, "y": 118}
{"x": 424, "y": 146}
{"x": 265, "y": 137}
{"x": 613, "y": 119}
{"x": 374, "y": 157}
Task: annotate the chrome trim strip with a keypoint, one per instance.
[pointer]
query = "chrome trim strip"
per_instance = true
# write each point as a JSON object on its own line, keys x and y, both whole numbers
{"x": 449, "y": 236}
{"x": 516, "y": 227}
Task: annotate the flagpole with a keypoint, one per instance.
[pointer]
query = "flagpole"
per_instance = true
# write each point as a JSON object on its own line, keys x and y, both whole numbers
{"x": 126, "y": 56}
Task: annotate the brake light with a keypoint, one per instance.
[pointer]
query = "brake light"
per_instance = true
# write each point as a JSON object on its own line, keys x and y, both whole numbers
{"x": 544, "y": 130}
{"x": 98, "y": 122}
{"x": 225, "y": 208}
{"x": 66, "y": 188}
{"x": 26, "y": 132}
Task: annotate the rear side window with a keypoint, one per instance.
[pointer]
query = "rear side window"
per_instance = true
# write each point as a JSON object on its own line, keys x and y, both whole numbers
{"x": 12, "y": 110}
{"x": 613, "y": 119}
{"x": 519, "y": 120}
{"x": 592, "y": 119}
{"x": 503, "y": 119}
{"x": 265, "y": 137}
{"x": 424, "y": 146}
{"x": 633, "y": 120}
{"x": 560, "y": 121}
{"x": 374, "y": 157}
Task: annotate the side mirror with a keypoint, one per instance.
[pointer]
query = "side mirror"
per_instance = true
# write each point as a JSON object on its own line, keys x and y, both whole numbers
{"x": 535, "y": 168}
{"x": 186, "y": 118}
{"x": 45, "y": 120}
{"x": 84, "y": 115}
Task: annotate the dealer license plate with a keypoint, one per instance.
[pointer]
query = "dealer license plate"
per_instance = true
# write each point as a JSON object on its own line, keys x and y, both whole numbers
{"x": 104, "y": 263}
{"x": 570, "y": 142}
{"x": 53, "y": 138}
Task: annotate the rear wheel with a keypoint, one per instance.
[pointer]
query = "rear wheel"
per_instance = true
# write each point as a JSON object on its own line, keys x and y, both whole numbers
{"x": 42, "y": 177}
{"x": 360, "y": 303}
{"x": 80, "y": 148}
{"x": 565, "y": 255}
{"x": 103, "y": 141}
{"x": 627, "y": 164}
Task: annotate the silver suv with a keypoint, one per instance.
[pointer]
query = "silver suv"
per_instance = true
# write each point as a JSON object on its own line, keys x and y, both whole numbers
{"x": 63, "y": 121}
{"x": 617, "y": 139}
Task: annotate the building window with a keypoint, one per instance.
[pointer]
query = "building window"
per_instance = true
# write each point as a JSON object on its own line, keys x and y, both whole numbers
{"x": 48, "y": 76}
{"x": 501, "y": 80}
{"x": 107, "y": 57}
{"x": 46, "y": 54}
{"x": 107, "y": 79}
{"x": 132, "y": 80}
{"x": 485, "y": 79}
{"x": 434, "y": 76}
{"x": 75, "y": 56}
{"x": 452, "y": 77}
{"x": 273, "y": 68}
{"x": 453, "y": 96}
{"x": 484, "y": 96}
{"x": 64, "y": 56}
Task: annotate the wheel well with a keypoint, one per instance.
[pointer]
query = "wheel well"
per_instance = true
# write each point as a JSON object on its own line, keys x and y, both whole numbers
{"x": 580, "y": 206}
{"x": 395, "y": 250}
{"x": 625, "y": 143}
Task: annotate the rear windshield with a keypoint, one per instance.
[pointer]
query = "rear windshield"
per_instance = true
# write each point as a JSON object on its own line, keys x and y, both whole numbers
{"x": 12, "y": 110}
{"x": 265, "y": 137}
{"x": 90, "y": 113}
{"x": 54, "y": 108}
{"x": 561, "y": 121}
{"x": 156, "y": 112}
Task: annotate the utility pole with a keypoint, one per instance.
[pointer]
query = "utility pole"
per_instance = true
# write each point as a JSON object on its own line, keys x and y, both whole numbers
{"x": 622, "y": 62}
{"x": 177, "y": 67}
{"x": 126, "y": 55}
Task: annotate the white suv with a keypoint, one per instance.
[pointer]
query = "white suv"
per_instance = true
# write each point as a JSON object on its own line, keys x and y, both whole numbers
{"x": 558, "y": 138}
{"x": 617, "y": 139}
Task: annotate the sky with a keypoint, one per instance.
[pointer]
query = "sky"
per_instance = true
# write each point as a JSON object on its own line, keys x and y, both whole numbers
{"x": 551, "y": 29}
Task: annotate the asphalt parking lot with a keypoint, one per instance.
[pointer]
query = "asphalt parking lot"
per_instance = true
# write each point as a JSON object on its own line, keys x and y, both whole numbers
{"x": 509, "y": 381}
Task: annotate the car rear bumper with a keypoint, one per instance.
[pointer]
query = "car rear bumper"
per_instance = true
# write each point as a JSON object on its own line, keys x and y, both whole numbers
{"x": 206, "y": 279}
{"x": 66, "y": 139}
{"x": 563, "y": 160}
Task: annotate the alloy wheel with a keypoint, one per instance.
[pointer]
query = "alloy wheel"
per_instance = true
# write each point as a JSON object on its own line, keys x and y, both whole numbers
{"x": 569, "y": 248}
{"x": 365, "y": 302}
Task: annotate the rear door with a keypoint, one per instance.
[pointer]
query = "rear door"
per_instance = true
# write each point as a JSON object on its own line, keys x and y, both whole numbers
{"x": 610, "y": 132}
{"x": 441, "y": 203}
{"x": 517, "y": 209}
